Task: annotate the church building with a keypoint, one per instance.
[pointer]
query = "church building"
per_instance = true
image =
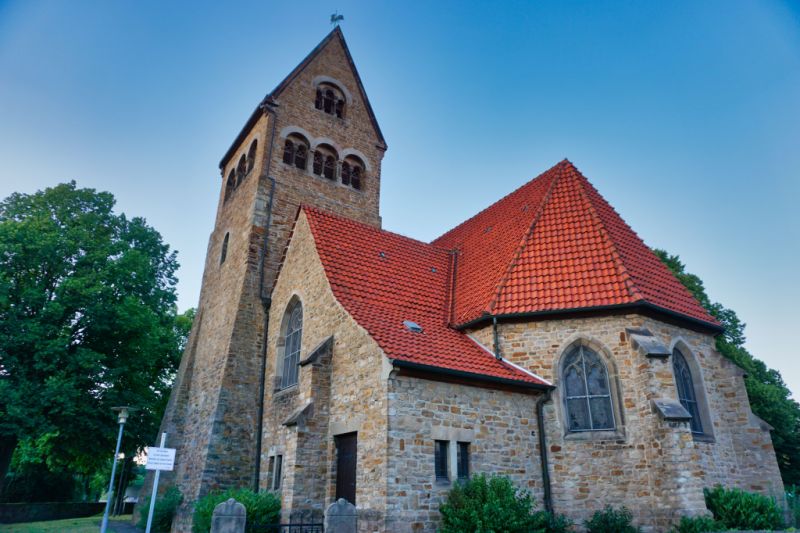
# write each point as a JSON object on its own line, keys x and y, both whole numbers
{"x": 540, "y": 339}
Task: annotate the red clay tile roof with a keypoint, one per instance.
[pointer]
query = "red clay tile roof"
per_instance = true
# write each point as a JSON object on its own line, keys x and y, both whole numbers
{"x": 555, "y": 244}
{"x": 383, "y": 279}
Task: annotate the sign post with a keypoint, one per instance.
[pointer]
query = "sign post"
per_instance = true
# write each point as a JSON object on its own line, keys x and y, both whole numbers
{"x": 158, "y": 459}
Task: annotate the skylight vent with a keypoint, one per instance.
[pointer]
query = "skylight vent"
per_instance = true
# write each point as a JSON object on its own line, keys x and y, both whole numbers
{"x": 487, "y": 229}
{"x": 412, "y": 326}
{"x": 433, "y": 269}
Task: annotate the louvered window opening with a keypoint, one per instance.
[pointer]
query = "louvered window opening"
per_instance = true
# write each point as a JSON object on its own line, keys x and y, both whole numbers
{"x": 685, "y": 385}
{"x": 588, "y": 393}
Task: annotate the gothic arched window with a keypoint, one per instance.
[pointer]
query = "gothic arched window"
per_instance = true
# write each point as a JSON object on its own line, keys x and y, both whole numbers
{"x": 292, "y": 335}
{"x": 325, "y": 158}
{"x": 251, "y": 156}
{"x": 352, "y": 172}
{"x": 330, "y": 100}
{"x": 230, "y": 185}
{"x": 241, "y": 169}
{"x": 295, "y": 151}
{"x": 686, "y": 393}
{"x": 587, "y": 391}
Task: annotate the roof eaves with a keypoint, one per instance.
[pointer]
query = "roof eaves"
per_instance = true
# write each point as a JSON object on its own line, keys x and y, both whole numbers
{"x": 632, "y": 306}
{"x": 442, "y": 371}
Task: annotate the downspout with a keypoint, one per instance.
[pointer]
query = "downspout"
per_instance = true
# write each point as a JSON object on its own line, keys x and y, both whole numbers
{"x": 265, "y": 299}
{"x": 548, "y": 499}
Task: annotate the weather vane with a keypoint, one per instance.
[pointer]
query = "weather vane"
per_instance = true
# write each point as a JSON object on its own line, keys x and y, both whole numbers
{"x": 336, "y": 18}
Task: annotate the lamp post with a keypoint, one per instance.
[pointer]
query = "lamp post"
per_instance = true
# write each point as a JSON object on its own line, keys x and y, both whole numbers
{"x": 122, "y": 418}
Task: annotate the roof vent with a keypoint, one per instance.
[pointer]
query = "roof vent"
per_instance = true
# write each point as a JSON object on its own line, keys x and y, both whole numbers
{"x": 487, "y": 229}
{"x": 412, "y": 326}
{"x": 433, "y": 269}
{"x": 382, "y": 254}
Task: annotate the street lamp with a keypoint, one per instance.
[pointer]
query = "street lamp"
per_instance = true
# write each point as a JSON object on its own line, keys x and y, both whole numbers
{"x": 122, "y": 418}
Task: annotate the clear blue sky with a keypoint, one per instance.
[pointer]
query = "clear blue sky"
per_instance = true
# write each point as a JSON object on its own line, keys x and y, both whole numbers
{"x": 685, "y": 115}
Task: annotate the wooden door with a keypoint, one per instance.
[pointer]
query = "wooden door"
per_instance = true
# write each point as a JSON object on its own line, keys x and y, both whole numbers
{"x": 346, "y": 457}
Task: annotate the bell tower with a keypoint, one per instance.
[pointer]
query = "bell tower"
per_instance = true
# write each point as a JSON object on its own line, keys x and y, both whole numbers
{"x": 313, "y": 140}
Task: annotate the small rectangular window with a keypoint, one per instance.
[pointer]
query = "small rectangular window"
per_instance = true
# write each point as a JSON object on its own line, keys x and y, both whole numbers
{"x": 463, "y": 460}
{"x": 276, "y": 478}
{"x": 270, "y": 472}
{"x": 441, "y": 452}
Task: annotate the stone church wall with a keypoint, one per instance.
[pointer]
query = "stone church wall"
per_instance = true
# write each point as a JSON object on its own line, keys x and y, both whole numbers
{"x": 654, "y": 467}
{"x": 500, "y": 426}
{"x": 346, "y": 389}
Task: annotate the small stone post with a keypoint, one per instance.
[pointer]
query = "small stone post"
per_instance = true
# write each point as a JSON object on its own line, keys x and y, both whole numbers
{"x": 229, "y": 517}
{"x": 340, "y": 517}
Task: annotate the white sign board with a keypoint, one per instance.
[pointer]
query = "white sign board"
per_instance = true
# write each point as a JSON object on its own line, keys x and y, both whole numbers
{"x": 160, "y": 458}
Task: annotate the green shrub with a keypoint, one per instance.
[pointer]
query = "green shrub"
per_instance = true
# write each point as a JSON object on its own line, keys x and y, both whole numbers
{"x": 738, "y": 509}
{"x": 486, "y": 504}
{"x": 262, "y": 508}
{"x": 611, "y": 520}
{"x": 166, "y": 505}
{"x": 793, "y": 499}
{"x": 698, "y": 524}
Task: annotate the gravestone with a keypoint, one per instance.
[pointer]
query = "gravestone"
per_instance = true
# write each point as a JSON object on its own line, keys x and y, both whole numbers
{"x": 229, "y": 517}
{"x": 340, "y": 517}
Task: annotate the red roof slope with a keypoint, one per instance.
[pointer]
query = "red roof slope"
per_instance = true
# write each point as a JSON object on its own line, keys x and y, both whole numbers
{"x": 555, "y": 244}
{"x": 383, "y": 279}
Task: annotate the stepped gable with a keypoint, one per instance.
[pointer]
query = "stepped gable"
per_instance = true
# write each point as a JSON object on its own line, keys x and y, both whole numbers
{"x": 383, "y": 279}
{"x": 555, "y": 245}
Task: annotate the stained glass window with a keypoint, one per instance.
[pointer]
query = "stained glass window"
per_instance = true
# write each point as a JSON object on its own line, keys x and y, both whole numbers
{"x": 587, "y": 391}
{"x": 685, "y": 385}
{"x": 291, "y": 351}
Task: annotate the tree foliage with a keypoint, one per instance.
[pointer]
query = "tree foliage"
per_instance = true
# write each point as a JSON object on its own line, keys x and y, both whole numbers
{"x": 770, "y": 398}
{"x": 87, "y": 322}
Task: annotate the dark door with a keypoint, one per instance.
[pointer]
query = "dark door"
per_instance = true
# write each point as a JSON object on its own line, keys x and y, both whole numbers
{"x": 346, "y": 467}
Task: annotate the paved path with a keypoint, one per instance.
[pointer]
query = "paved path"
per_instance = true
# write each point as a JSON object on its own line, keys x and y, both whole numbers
{"x": 123, "y": 526}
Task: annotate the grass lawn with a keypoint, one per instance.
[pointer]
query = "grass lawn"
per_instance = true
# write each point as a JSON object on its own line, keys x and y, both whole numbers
{"x": 90, "y": 524}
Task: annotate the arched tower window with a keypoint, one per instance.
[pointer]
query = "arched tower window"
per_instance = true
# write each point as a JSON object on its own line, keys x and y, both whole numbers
{"x": 587, "y": 391}
{"x": 224, "y": 253}
{"x": 251, "y": 156}
{"x": 292, "y": 333}
{"x": 230, "y": 185}
{"x": 325, "y": 158}
{"x": 330, "y": 99}
{"x": 295, "y": 151}
{"x": 241, "y": 169}
{"x": 353, "y": 172}
{"x": 686, "y": 391}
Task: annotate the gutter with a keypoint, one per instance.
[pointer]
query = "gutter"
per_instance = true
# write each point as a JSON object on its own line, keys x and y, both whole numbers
{"x": 548, "y": 498}
{"x": 266, "y": 301}
{"x": 717, "y": 329}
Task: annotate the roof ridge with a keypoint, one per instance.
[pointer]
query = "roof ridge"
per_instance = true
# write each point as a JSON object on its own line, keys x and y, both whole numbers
{"x": 630, "y": 284}
{"x": 521, "y": 246}
{"x": 498, "y": 201}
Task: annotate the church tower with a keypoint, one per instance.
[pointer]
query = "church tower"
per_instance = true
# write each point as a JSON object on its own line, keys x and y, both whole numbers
{"x": 313, "y": 140}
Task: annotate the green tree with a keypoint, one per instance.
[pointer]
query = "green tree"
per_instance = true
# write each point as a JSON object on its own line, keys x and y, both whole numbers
{"x": 87, "y": 322}
{"x": 770, "y": 398}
